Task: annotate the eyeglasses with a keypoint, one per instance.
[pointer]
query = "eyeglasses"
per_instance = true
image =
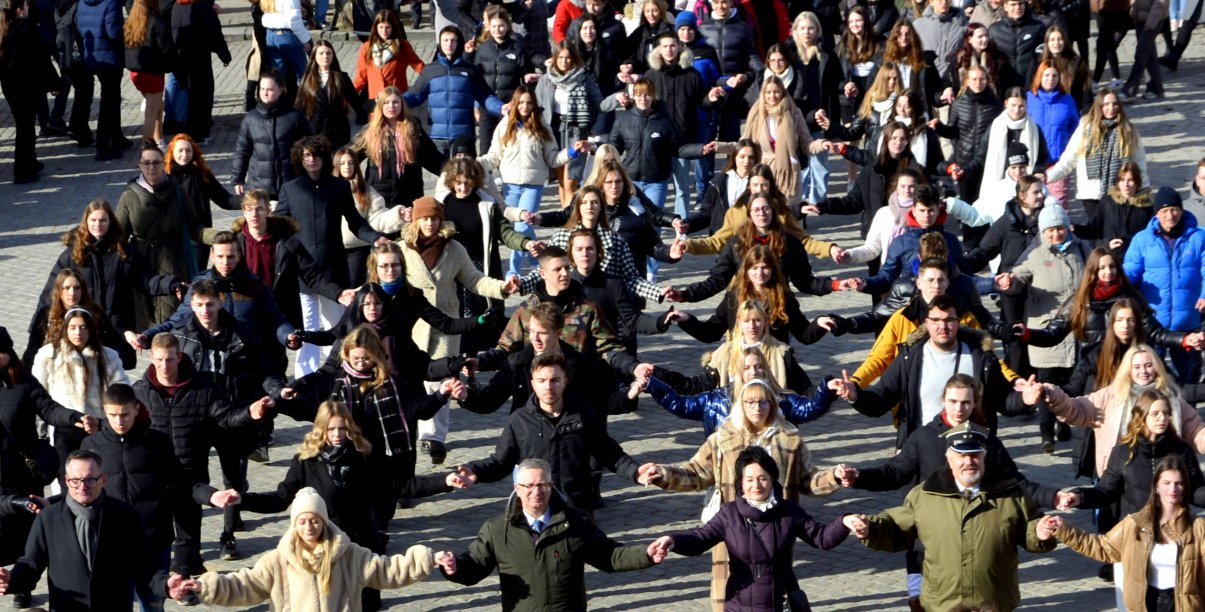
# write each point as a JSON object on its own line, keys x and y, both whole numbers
{"x": 757, "y": 403}
{"x": 543, "y": 486}
{"x": 151, "y": 164}
{"x": 389, "y": 266}
{"x": 944, "y": 321}
{"x": 75, "y": 483}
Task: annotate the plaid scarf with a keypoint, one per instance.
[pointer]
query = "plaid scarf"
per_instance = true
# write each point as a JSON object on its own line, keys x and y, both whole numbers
{"x": 1104, "y": 163}
{"x": 382, "y": 400}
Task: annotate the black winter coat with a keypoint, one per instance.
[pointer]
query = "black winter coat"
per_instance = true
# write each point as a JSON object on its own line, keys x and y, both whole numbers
{"x": 265, "y": 140}
{"x": 293, "y": 267}
{"x": 237, "y": 361}
{"x": 641, "y": 43}
{"x": 737, "y": 54}
{"x": 19, "y": 404}
{"x": 903, "y": 295}
{"x": 121, "y": 557}
{"x": 192, "y": 418}
{"x": 716, "y": 327}
{"x": 196, "y": 29}
{"x": 1117, "y": 217}
{"x": 1097, "y": 325}
{"x": 569, "y": 444}
{"x": 330, "y": 114}
{"x": 681, "y": 88}
{"x": 588, "y": 377}
{"x": 202, "y": 192}
{"x": 970, "y": 122}
{"x": 924, "y": 454}
{"x": 621, "y": 307}
{"x": 320, "y": 208}
{"x": 1131, "y": 480}
{"x": 648, "y": 141}
{"x": 900, "y": 384}
{"x": 157, "y": 55}
{"x": 1018, "y": 40}
{"x": 602, "y": 62}
{"x": 1009, "y": 237}
{"x": 406, "y": 187}
{"x": 25, "y": 60}
{"x": 715, "y": 205}
{"x": 142, "y": 471}
{"x": 503, "y": 65}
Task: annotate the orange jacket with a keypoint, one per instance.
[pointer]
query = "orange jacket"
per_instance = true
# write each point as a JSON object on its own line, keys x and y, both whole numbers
{"x": 392, "y": 73}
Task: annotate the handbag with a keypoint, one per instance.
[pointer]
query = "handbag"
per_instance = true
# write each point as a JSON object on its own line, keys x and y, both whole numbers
{"x": 711, "y": 504}
{"x": 43, "y": 466}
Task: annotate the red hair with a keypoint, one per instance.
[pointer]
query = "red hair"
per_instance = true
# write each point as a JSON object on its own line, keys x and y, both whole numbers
{"x": 198, "y": 157}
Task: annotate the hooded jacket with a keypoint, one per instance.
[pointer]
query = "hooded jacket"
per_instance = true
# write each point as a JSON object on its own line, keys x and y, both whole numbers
{"x": 1169, "y": 272}
{"x": 265, "y": 140}
{"x": 941, "y": 35}
{"x": 681, "y": 87}
{"x": 1051, "y": 274}
{"x": 450, "y": 87}
{"x": 247, "y": 298}
{"x": 1008, "y": 238}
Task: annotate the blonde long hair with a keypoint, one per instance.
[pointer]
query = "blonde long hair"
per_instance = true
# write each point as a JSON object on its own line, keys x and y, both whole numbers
{"x": 315, "y": 439}
{"x": 323, "y": 553}
{"x": 756, "y": 389}
{"x": 1093, "y": 125}
{"x": 879, "y": 91}
{"x": 366, "y": 337}
{"x": 1122, "y": 382}
{"x": 375, "y": 136}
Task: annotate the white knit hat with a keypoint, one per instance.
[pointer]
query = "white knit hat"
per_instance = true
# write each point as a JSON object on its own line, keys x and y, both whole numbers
{"x": 308, "y": 500}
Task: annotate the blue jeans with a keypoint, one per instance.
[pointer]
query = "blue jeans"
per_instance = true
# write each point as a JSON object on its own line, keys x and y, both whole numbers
{"x": 175, "y": 100}
{"x": 704, "y": 169}
{"x": 657, "y": 192}
{"x": 815, "y": 175}
{"x": 682, "y": 186}
{"x": 287, "y": 53}
{"x": 148, "y": 598}
{"x": 526, "y": 197}
{"x": 320, "y": 7}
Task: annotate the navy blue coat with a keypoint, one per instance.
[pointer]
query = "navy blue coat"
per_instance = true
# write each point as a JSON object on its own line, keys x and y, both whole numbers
{"x": 100, "y": 24}
{"x": 906, "y": 247}
{"x": 450, "y": 88}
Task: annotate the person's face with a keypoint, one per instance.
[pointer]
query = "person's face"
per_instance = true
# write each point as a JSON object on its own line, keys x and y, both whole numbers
{"x": 643, "y": 98}
{"x": 967, "y": 467}
{"x": 932, "y": 282}
{"x": 1106, "y": 270}
{"x": 1169, "y": 217}
{"x": 182, "y": 153}
{"x": 564, "y": 61}
{"x": 761, "y": 214}
{"x": 940, "y": 6}
{"x": 897, "y": 143}
{"x": 1158, "y": 418}
{"x": 1142, "y": 369}
{"x": 670, "y": 49}
{"x": 311, "y": 162}
{"x": 686, "y": 34}
{"x": 772, "y": 94}
{"x": 384, "y": 30}
{"x": 205, "y": 308}
{"x": 756, "y": 483}
{"x": 1110, "y": 106}
{"x": 71, "y": 292}
{"x": 1055, "y": 42}
{"x": 893, "y": 80}
{"x": 753, "y": 328}
{"x": 977, "y": 80}
{"x": 166, "y": 362}
{"x": 594, "y": 7}
{"x": 925, "y": 214}
{"x": 324, "y": 56}
{"x": 651, "y": 13}
{"x": 309, "y": 528}
{"x": 85, "y": 481}
{"x": 590, "y": 204}
{"x": 1015, "y": 107}
{"x": 777, "y": 62}
{"x": 360, "y": 359}
{"x": 1016, "y": 172}
{"x": 1124, "y": 325}
{"x": 548, "y": 384}
{"x": 588, "y": 33}
{"x": 979, "y": 39}
{"x": 121, "y": 417}
{"x": 555, "y": 272}
{"x": 1050, "y": 79}
{"x": 391, "y": 107}
{"x": 942, "y": 326}
{"x": 752, "y": 367}
{"x": 584, "y": 253}
{"x": 256, "y": 215}
{"x": 958, "y": 403}
{"x": 225, "y": 258}
{"x": 756, "y": 409}
{"x": 336, "y": 431}
{"x": 346, "y": 165}
{"x": 807, "y": 32}
{"x": 269, "y": 91}
{"x": 1055, "y": 235}
{"x": 462, "y": 186}
{"x": 856, "y": 24}
{"x": 429, "y": 226}
{"x": 613, "y": 187}
{"x": 372, "y": 308}
{"x": 745, "y": 160}
{"x": 1032, "y": 196}
{"x": 448, "y": 42}
{"x": 905, "y": 188}
{"x": 526, "y": 105}
{"x": 534, "y": 490}
{"x": 389, "y": 267}
{"x": 721, "y": 7}
{"x": 759, "y": 274}
{"x": 903, "y": 38}
{"x": 1170, "y": 486}
{"x": 903, "y": 107}
{"x": 98, "y": 224}
{"x": 543, "y": 337}
{"x": 1199, "y": 180}
{"x": 1014, "y": 9}
{"x": 499, "y": 29}
{"x": 151, "y": 164}
{"x": 759, "y": 185}
{"x": 77, "y": 332}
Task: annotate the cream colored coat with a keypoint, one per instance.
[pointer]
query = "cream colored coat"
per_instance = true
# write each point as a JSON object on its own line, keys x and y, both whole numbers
{"x": 63, "y": 377}
{"x": 439, "y": 287}
{"x": 526, "y": 160}
{"x": 380, "y": 218}
{"x": 282, "y": 578}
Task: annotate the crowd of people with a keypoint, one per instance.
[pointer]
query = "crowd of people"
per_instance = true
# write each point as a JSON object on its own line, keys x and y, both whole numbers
{"x": 971, "y": 135}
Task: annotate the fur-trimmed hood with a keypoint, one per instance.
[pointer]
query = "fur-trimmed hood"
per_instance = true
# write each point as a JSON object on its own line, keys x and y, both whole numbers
{"x": 279, "y": 226}
{"x": 686, "y": 59}
{"x": 1143, "y": 199}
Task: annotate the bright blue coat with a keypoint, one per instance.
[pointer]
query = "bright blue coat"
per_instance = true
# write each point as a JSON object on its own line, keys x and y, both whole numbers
{"x": 1057, "y": 117}
{"x": 1169, "y": 275}
{"x": 712, "y": 406}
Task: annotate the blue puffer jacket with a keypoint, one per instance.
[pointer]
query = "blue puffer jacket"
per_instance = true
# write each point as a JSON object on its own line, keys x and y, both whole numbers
{"x": 450, "y": 88}
{"x": 906, "y": 247}
{"x": 1057, "y": 117}
{"x": 712, "y": 407}
{"x": 100, "y": 24}
{"x": 1169, "y": 275}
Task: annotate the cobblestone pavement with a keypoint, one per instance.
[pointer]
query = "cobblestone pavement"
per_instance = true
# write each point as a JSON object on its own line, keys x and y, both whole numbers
{"x": 32, "y": 217}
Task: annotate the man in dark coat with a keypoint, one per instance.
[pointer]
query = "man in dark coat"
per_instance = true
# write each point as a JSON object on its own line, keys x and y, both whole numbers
{"x": 265, "y": 138}
{"x": 740, "y": 64}
{"x": 548, "y": 575}
{"x": 92, "y": 545}
{"x": 1018, "y": 36}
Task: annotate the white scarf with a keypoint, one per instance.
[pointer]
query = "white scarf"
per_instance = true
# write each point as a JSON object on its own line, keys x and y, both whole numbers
{"x": 764, "y": 505}
{"x": 787, "y": 76}
{"x": 995, "y": 167}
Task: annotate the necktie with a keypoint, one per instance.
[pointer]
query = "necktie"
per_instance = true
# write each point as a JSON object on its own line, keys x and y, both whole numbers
{"x": 968, "y": 494}
{"x": 537, "y": 526}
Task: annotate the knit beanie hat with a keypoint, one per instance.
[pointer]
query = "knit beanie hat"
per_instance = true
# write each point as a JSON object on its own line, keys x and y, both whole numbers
{"x": 686, "y": 19}
{"x": 1053, "y": 216}
{"x": 308, "y": 500}
{"x": 1018, "y": 154}
{"x": 1166, "y": 196}
{"x": 428, "y": 206}
{"x": 6, "y": 341}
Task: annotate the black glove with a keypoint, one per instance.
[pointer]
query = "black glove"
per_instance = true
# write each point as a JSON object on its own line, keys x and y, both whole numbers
{"x": 24, "y": 504}
{"x": 663, "y": 321}
{"x": 843, "y": 325}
